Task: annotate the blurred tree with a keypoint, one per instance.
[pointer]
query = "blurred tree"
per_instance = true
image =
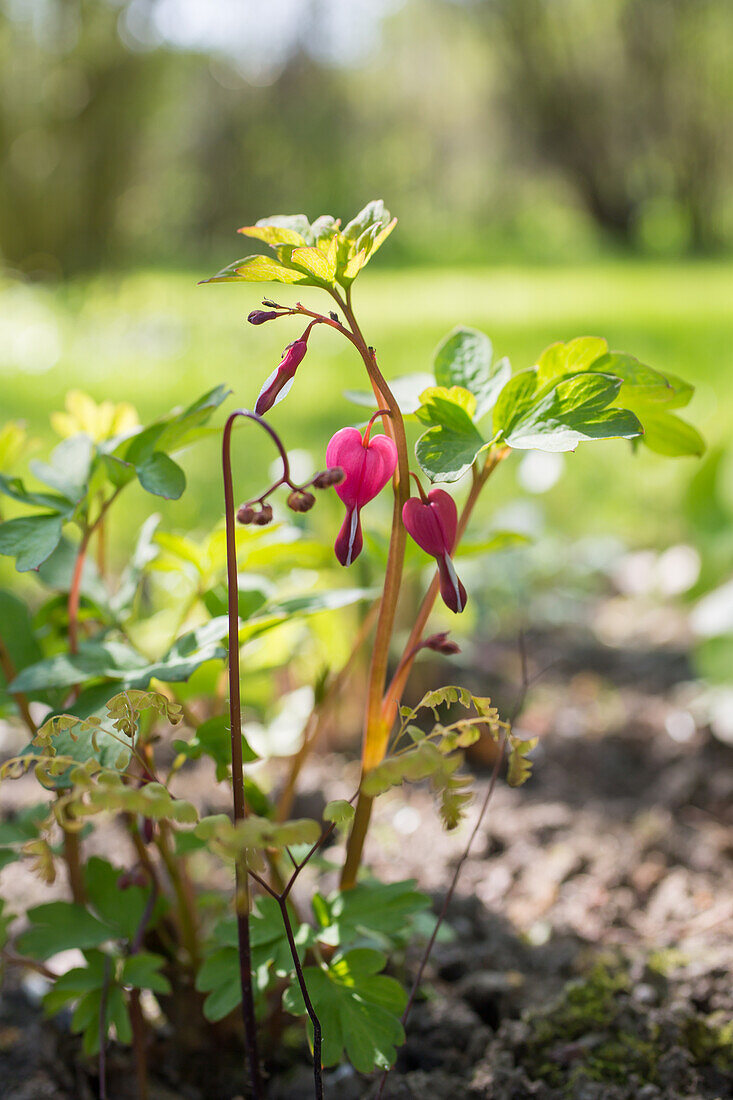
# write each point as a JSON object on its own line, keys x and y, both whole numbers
{"x": 631, "y": 100}
{"x": 73, "y": 103}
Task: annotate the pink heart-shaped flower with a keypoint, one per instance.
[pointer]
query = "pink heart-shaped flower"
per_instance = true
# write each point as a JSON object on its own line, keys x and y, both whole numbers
{"x": 367, "y": 468}
{"x": 432, "y": 525}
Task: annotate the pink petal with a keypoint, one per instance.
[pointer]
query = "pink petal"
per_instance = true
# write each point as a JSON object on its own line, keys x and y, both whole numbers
{"x": 444, "y": 506}
{"x": 367, "y": 469}
{"x": 422, "y": 523}
{"x": 278, "y": 384}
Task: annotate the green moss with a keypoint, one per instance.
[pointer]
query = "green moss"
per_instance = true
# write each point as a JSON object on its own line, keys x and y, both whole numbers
{"x": 596, "y": 1031}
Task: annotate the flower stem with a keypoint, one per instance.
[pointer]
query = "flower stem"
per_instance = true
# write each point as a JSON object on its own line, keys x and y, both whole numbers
{"x": 235, "y": 718}
{"x": 375, "y": 735}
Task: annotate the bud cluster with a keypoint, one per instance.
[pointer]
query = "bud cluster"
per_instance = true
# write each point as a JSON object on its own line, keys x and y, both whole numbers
{"x": 259, "y": 516}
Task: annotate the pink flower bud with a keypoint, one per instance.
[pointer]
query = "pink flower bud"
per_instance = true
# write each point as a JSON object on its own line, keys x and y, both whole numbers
{"x": 278, "y": 384}
{"x": 433, "y": 524}
{"x": 368, "y": 464}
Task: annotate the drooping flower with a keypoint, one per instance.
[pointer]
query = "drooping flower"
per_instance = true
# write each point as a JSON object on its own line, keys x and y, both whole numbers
{"x": 278, "y": 384}
{"x": 432, "y": 522}
{"x": 368, "y": 464}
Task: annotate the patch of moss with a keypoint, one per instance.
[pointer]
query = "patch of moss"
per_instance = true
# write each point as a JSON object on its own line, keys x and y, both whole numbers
{"x": 597, "y": 1031}
{"x": 709, "y": 1040}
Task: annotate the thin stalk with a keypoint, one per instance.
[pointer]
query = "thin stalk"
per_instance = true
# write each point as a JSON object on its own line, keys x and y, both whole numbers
{"x": 75, "y": 591}
{"x": 235, "y": 717}
{"x": 72, "y": 859}
{"x": 139, "y": 1043}
{"x": 375, "y": 735}
{"x": 21, "y": 701}
{"x": 312, "y": 1015}
{"x": 103, "y": 1032}
{"x": 397, "y": 685}
{"x": 185, "y": 903}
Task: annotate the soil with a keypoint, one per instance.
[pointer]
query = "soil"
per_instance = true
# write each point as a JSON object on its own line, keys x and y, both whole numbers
{"x": 591, "y": 947}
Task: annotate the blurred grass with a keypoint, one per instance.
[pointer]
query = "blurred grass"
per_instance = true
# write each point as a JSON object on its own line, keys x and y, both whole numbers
{"x": 157, "y": 339}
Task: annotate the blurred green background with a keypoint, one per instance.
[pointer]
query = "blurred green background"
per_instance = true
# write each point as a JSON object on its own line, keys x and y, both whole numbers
{"x": 559, "y": 167}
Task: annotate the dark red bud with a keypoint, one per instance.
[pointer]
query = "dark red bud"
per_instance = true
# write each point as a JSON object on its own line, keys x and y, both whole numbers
{"x": 264, "y": 516}
{"x": 327, "y": 478}
{"x": 148, "y": 830}
{"x": 441, "y": 643}
{"x": 260, "y": 316}
{"x": 246, "y": 514}
{"x": 301, "y": 501}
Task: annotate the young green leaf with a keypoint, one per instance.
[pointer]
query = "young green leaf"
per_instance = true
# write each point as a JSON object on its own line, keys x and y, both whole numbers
{"x": 370, "y": 910}
{"x": 571, "y": 411}
{"x": 30, "y": 540}
{"x": 358, "y": 1009}
{"x": 340, "y": 812}
{"x": 464, "y": 358}
{"x": 161, "y": 476}
{"x": 58, "y": 926}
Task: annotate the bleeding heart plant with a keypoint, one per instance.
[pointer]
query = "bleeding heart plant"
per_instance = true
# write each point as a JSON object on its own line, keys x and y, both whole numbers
{"x": 98, "y": 703}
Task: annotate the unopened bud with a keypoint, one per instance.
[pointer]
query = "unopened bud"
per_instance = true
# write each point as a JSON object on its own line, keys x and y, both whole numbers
{"x": 441, "y": 643}
{"x": 147, "y": 830}
{"x": 260, "y": 316}
{"x": 246, "y": 514}
{"x": 327, "y": 478}
{"x": 264, "y": 516}
{"x": 301, "y": 501}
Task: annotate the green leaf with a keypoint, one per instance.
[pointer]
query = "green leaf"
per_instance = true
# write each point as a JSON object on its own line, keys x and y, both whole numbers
{"x": 119, "y": 661}
{"x": 667, "y": 434}
{"x": 361, "y": 239}
{"x": 358, "y": 1009}
{"x": 422, "y": 761}
{"x": 642, "y": 386}
{"x": 464, "y": 358}
{"x": 572, "y": 358}
{"x": 572, "y": 411}
{"x": 17, "y": 636}
{"x": 340, "y": 812}
{"x": 318, "y": 265}
{"x": 171, "y": 432}
{"x": 291, "y": 229}
{"x": 161, "y": 476}
{"x": 369, "y": 909}
{"x": 445, "y": 455}
{"x": 213, "y": 738}
{"x": 23, "y": 826}
{"x": 59, "y": 926}
{"x": 122, "y": 910}
{"x": 69, "y": 467}
{"x": 13, "y": 487}
{"x": 257, "y": 269}
{"x": 519, "y": 767}
{"x": 30, "y": 540}
{"x": 446, "y": 406}
{"x": 219, "y": 974}
{"x": 142, "y": 971}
